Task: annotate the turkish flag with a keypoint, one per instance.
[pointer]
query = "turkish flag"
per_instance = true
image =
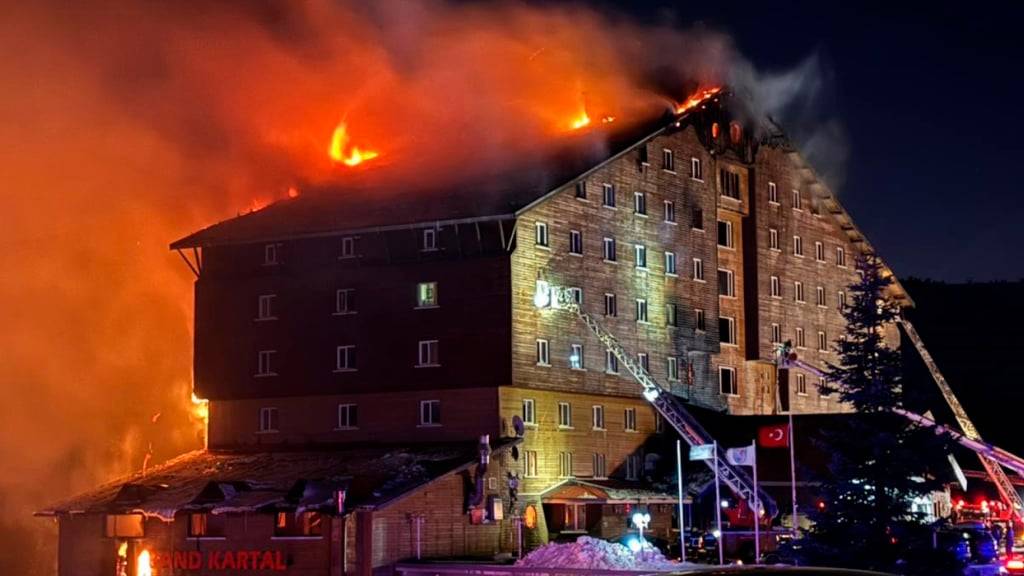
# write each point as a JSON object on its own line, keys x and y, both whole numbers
{"x": 774, "y": 436}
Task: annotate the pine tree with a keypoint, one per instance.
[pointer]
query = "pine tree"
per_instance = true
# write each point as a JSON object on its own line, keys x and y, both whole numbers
{"x": 878, "y": 461}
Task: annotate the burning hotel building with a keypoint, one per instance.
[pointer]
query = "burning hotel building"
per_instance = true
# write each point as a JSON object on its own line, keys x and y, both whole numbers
{"x": 382, "y": 386}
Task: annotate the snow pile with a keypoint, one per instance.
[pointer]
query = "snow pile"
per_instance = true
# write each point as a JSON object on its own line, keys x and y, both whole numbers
{"x": 591, "y": 553}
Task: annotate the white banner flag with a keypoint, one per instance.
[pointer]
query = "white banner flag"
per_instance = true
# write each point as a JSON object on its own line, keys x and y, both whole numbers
{"x": 740, "y": 456}
{"x": 702, "y": 452}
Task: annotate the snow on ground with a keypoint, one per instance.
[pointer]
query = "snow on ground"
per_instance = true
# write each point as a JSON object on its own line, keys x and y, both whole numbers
{"x": 591, "y": 553}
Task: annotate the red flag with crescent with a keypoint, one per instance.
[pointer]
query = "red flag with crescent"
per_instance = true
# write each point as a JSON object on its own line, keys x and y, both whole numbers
{"x": 774, "y": 436}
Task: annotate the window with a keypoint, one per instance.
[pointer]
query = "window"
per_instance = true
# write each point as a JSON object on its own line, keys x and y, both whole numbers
{"x": 668, "y": 160}
{"x": 773, "y": 239}
{"x": 291, "y": 525}
{"x": 641, "y": 310}
{"x": 611, "y": 363}
{"x": 600, "y": 466}
{"x": 819, "y": 251}
{"x": 348, "y": 247}
{"x": 727, "y": 381}
{"x": 426, "y": 295}
{"x": 670, "y": 212}
{"x": 776, "y": 334}
{"x": 730, "y": 184}
{"x": 348, "y": 416}
{"x": 345, "y": 301}
{"x": 800, "y": 341}
{"x": 644, "y": 360}
{"x": 529, "y": 411}
{"x": 670, "y": 263}
{"x": 840, "y": 257}
{"x": 611, "y": 305}
{"x": 698, "y": 269}
{"x": 271, "y": 255}
{"x": 581, "y": 189}
{"x": 776, "y": 287}
{"x": 671, "y": 315}
{"x": 801, "y": 384}
{"x": 633, "y": 467}
{"x": 608, "y": 195}
{"x": 530, "y": 463}
{"x": 822, "y": 341}
{"x": 659, "y": 423}
{"x": 541, "y": 238}
{"x": 699, "y": 324}
{"x": 823, "y": 389}
{"x": 727, "y": 330}
{"x": 797, "y": 200}
{"x": 203, "y": 525}
{"x": 565, "y": 464}
{"x": 820, "y": 296}
{"x": 641, "y": 255}
{"x": 609, "y": 250}
{"x": 597, "y": 413}
{"x": 564, "y": 415}
{"x": 264, "y": 363}
{"x": 841, "y": 300}
{"x": 576, "y": 357}
{"x": 346, "y": 358}
{"x": 268, "y": 420}
{"x": 428, "y": 356}
{"x": 672, "y": 368}
{"x": 429, "y": 240}
{"x": 265, "y": 310}
{"x": 696, "y": 169}
{"x": 697, "y": 219}
{"x": 798, "y": 246}
{"x": 629, "y": 420}
{"x": 577, "y": 294}
{"x": 798, "y": 292}
{"x": 726, "y": 283}
{"x": 773, "y": 193}
{"x": 575, "y": 242}
{"x": 642, "y": 155}
{"x": 640, "y": 203}
{"x": 543, "y": 353}
{"x": 725, "y": 234}
{"x": 430, "y": 412}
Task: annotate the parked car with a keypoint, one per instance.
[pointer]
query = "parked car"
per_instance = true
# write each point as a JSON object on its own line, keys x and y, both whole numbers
{"x": 983, "y": 546}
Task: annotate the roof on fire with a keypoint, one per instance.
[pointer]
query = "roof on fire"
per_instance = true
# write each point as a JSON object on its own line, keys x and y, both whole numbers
{"x": 222, "y": 482}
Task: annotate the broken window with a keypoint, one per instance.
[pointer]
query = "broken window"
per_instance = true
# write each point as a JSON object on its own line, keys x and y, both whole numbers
{"x": 288, "y": 524}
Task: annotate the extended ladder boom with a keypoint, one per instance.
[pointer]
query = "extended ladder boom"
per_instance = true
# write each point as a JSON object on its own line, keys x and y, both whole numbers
{"x": 670, "y": 407}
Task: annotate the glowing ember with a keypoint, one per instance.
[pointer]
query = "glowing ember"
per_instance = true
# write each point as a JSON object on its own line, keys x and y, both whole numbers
{"x": 341, "y": 153}
{"x": 608, "y": 119}
{"x": 697, "y": 98}
{"x": 143, "y": 567}
{"x": 580, "y": 121}
{"x": 293, "y": 192}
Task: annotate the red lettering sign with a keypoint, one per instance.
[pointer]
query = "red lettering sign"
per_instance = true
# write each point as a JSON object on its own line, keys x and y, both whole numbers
{"x": 218, "y": 560}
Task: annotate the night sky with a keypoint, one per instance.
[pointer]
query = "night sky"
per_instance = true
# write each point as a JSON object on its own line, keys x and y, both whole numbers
{"x": 928, "y": 94}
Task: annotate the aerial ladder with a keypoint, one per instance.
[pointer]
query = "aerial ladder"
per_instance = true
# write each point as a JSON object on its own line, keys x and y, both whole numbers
{"x": 992, "y": 458}
{"x": 668, "y": 405}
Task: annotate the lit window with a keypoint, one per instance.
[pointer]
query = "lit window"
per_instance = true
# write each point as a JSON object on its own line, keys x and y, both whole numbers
{"x": 726, "y": 283}
{"x": 629, "y": 420}
{"x": 345, "y": 301}
{"x": 735, "y": 132}
{"x": 430, "y": 413}
{"x": 543, "y": 353}
{"x": 727, "y": 381}
{"x": 611, "y": 305}
{"x": 698, "y": 269}
{"x": 820, "y": 296}
{"x": 727, "y": 330}
{"x": 798, "y": 246}
{"x": 668, "y": 160}
{"x": 292, "y": 525}
{"x": 822, "y": 342}
{"x": 581, "y": 189}
{"x": 531, "y": 463}
{"x": 429, "y": 240}
{"x": 641, "y": 310}
{"x": 600, "y": 466}
{"x": 725, "y": 238}
{"x": 633, "y": 467}
{"x": 264, "y": 363}
{"x": 268, "y": 420}
{"x": 672, "y": 368}
{"x": 797, "y": 200}
{"x": 644, "y": 360}
{"x": 204, "y": 525}
{"x": 564, "y": 415}
{"x": 730, "y": 182}
{"x": 801, "y": 384}
{"x": 426, "y": 295}
{"x": 641, "y": 256}
{"x": 697, "y": 219}
{"x": 529, "y": 411}
{"x": 776, "y": 287}
{"x": 773, "y": 239}
{"x": 671, "y": 315}
{"x": 575, "y": 242}
{"x": 800, "y": 341}
{"x": 348, "y": 247}
{"x": 773, "y": 193}
{"x": 271, "y": 255}
{"x": 819, "y": 251}
{"x": 611, "y": 363}
{"x": 428, "y": 354}
{"x": 542, "y": 234}
{"x": 608, "y": 195}
{"x": 776, "y": 334}
{"x": 840, "y": 257}
{"x": 576, "y": 356}
{"x": 798, "y": 292}
{"x": 640, "y": 203}
{"x": 565, "y": 464}
{"x": 670, "y": 212}
{"x": 696, "y": 169}
{"x": 699, "y": 324}
{"x": 346, "y": 358}
{"x": 670, "y": 263}
{"x": 266, "y": 307}
{"x": 348, "y": 416}
{"x": 597, "y": 412}
{"x": 609, "y": 249}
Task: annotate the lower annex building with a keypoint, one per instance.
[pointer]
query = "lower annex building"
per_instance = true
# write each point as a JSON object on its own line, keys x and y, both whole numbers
{"x": 368, "y": 355}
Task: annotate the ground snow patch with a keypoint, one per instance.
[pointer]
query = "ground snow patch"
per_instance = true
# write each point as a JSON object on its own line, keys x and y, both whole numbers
{"x": 591, "y": 553}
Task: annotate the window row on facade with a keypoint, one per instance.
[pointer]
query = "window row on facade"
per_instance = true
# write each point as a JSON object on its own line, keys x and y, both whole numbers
{"x": 346, "y": 301}
{"x": 568, "y": 465}
{"x": 566, "y": 421}
{"x": 799, "y": 339}
{"x": 428, "y": 355}
{"x": 610, "y": 252}
{"x": 797, "y": 246}
{"x": 775, "y": 290}
{"x": 348, "y": 246}
{"x": 348, "y": 417}
{"x": 576, "y": 360}
{"x": 287, "y": 524}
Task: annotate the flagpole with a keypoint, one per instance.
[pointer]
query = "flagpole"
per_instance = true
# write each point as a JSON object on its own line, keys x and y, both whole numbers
{"x": 679, "y": 475}
{"x": 757, "y": 508}
{"x": 792, "y": 469}
{"x": 718, "y": 509}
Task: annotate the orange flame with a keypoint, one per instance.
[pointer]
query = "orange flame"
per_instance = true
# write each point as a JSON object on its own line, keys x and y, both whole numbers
{"x": 341, "y": 153}
{"x": 580, "y": 121}
{"x": 697, "y": 98}
{"x": 143, "y": 566}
